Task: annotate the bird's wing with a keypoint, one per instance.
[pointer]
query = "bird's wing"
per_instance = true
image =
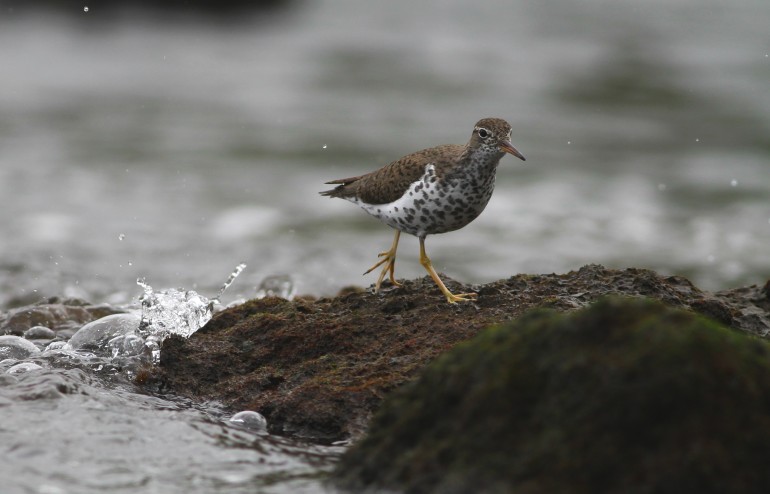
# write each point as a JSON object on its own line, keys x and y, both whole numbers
{"x": 389, "y": 183}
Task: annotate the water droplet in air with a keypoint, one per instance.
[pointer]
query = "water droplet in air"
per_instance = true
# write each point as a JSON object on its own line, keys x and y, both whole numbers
{"x": 130, "y": 263}
{"x": 324, "y": 146}
{"x": 281, "y": 286}
{"x": 697, "y": 139}
{"x": 121, "y": 236}
{"x": 569, "y": 142}
{"x": 733, "y": 182}
{"x": 85, "y": 9}
{"x": 238, "y": 269}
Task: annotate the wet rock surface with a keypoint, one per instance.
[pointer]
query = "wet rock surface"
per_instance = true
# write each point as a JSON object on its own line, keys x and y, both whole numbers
{"x": 54, "y": 314}
{"x": 629, "y": 395}
{"x": 318, "y": 369}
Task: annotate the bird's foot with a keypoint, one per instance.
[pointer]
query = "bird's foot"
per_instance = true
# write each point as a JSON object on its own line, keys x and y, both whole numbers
{"x": 381, "y": 262}
{"x": 450, "y": 297}
{"x": 461, "y": 297}
{"x": 389, "y": 260}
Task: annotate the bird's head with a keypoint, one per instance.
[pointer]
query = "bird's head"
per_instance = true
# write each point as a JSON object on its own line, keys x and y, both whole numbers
{"x": 494, "y": 133}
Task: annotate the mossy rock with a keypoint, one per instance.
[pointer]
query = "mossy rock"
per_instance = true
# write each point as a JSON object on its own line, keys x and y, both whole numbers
{"x": 626, "y": 396}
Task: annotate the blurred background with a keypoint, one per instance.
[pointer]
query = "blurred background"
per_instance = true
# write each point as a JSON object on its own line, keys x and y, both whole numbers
{"x": 174, "y": 140}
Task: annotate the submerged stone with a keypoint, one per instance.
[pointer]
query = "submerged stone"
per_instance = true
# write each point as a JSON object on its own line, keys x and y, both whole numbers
{"x": 59, "y": 315}
{"x": 39, "y": 333}
{"x": 96, "y": 336}
{"x": 628, "y": 395}
{"x": 16, "y": 347}
{"x": 23, "y": 368}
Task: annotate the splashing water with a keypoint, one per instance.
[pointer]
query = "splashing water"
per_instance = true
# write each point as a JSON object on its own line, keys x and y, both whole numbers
{"x": 130, "y": 340}
{"x": 173, "y": 311}
{"x": 238, "y": 269}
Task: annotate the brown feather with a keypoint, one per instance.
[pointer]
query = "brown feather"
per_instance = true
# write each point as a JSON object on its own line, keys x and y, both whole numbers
{"x": 374, "y": 188}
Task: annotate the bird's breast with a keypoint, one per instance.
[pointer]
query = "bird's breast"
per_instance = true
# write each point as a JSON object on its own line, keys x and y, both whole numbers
{"x": 434, "y": 205}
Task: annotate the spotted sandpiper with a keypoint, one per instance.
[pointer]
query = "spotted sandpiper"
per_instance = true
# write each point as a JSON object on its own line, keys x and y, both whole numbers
{"x": 436, "y": 190}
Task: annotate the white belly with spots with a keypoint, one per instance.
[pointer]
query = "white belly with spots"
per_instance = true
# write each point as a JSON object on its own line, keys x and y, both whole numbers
{"x": 430, "y": 206}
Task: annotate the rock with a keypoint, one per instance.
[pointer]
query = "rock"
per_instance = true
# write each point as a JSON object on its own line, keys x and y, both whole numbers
{"x": 626, "y": 396}
{"x": 23, "y": 368}
{"x": 39, "y": 333}
{"x": 15, "y": 347}
{"x": 318, "y": 369}
{"x": 95, "y": 335}
{"x": 57, "y": 316}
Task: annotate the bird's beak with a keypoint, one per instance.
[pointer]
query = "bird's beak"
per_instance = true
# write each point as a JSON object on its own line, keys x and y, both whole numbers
{"x": 507, "y": 147}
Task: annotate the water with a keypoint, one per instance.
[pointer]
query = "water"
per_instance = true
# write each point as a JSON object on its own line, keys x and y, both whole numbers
{"x": 74, "y": 431}
{"x": 73, "y": 420}
{"x": 172, "y": 151}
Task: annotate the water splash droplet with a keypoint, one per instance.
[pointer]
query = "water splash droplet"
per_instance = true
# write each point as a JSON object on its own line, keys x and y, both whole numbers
{"x": 167, "y": 312}
{"x": 697, "y": 139}
{"x": 121, "y": 236}
{"x": 733, "y": 182}
{"x": 172, "y": 311}
{"x": 238, "y": 269}
{"x": 85, "y": 9}
{"x": 324, "y": 146}
{"x": 281, "y": 286}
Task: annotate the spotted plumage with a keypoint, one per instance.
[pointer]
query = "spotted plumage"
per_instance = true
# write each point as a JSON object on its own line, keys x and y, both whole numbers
{"x": 436, "y": 190}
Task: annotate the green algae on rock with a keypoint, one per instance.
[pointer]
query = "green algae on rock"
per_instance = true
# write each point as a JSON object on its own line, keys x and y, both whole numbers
{"x": 628, "y": 396}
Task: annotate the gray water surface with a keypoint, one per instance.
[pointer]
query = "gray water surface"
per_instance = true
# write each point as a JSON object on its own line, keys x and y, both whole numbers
{"x": 72, "y": 431}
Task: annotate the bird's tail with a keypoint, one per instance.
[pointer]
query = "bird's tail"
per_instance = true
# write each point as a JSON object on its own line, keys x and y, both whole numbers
{"x": 337, "y": 191}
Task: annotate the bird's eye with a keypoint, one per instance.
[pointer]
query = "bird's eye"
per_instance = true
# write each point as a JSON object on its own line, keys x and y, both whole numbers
{"x": 483, "y": 133}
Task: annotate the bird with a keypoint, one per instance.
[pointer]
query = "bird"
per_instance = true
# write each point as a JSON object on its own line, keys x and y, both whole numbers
{"x": 435, "y": 190}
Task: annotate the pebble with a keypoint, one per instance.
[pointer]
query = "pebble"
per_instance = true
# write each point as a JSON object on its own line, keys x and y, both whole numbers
{"x": 39, "y": 333}
{"x": 16, "y": 347}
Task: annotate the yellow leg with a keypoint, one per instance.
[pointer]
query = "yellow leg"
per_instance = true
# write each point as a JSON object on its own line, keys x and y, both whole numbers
{"x": 451, "y": 297}
{"x": 389, "y": 259}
